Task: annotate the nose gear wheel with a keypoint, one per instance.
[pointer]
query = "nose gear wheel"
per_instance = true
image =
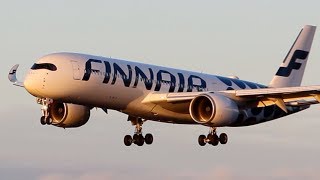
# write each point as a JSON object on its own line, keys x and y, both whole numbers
{"x": 45, "y": 108}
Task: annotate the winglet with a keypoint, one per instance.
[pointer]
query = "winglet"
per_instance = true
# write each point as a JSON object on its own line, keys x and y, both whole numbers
{"x": 13, "y": 77}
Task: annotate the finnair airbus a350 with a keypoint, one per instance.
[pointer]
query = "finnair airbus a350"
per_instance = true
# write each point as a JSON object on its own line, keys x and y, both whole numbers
{"x": 69, "y": 85}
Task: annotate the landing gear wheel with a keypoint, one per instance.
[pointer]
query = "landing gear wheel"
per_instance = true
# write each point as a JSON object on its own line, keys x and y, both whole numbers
{"x": 138, "y": 137}
{"x": 148, "y": 138}
{"x": 135, "y": 138}
{"x": 42, "y": 120}
{"x": 215, "y": 140}
{"x": 201, "y": 140}
{"x": 210, "y": 138}
{"x": 46, "y": 103}
{"x": 48, "y": 120}
{"x": 127, "y": 140}
{"x": 223, "y": 138}
{"x": 140, "y": 140}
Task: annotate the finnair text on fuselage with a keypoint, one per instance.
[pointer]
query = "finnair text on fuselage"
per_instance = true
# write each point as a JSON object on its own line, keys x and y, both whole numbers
{"x": 162, "y": 76}
{"x": 176, "y": 81}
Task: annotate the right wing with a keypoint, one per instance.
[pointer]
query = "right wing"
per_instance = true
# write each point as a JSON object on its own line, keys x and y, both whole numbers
{"x": 282, "y": 97}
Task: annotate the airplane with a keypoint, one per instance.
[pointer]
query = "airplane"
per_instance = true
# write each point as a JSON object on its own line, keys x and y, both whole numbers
{"x": 69, "y": 85}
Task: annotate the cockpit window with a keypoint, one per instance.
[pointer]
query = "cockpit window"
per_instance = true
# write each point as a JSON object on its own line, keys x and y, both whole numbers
{"x": 47, "y": 66}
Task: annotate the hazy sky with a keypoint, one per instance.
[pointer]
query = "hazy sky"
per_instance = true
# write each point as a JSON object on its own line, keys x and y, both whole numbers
{"x": 247, "y": 38}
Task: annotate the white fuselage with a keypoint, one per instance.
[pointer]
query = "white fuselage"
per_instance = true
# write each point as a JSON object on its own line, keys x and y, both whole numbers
{"x": 122, "y": 85}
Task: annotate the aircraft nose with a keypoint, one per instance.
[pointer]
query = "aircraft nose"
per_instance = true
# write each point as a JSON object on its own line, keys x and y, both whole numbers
{"x": 32, "y": 84}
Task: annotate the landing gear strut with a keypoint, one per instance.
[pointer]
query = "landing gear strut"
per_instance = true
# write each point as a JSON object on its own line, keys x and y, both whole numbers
{"x": 45, "y": 118}
{"x": 138, "y": 137}
{"x": 212, "y": 138}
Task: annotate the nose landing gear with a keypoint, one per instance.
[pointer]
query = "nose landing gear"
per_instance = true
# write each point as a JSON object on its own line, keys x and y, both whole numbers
{"x": 45, "y": 118}
{"x": 138, "y": 137}
{"x": 212, "y": 138}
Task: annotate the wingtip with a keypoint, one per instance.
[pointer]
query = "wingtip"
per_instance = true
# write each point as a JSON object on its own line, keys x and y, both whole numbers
{"x": 12, "y": 73}
{"x": 13, "y": 77}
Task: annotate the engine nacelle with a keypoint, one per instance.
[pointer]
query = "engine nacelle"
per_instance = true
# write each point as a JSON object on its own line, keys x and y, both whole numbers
{"x": 68, "y": 115}
{"x": 214, "y": 110}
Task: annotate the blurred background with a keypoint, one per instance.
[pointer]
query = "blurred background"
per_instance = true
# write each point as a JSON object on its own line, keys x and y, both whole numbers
{"x": 246, "y": 38}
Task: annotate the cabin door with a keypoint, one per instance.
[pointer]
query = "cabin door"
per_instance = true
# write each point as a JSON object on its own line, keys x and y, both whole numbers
{"x": 76, "y": 70}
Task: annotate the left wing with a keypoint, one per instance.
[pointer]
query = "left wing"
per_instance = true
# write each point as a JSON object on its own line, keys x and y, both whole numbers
{"x": 282, "y": 97}
{"x": 12, "y": 76}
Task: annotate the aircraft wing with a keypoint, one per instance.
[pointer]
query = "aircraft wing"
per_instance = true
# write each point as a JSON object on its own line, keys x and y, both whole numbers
{"x": 282, "y": 97}
{"x": 12, "y": 76}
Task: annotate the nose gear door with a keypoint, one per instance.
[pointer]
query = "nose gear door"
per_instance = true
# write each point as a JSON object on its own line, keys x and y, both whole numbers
{"x": 76, "y": 70}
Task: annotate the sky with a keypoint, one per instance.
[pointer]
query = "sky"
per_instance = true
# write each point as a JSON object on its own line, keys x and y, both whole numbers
{"x": 246, "y": 38}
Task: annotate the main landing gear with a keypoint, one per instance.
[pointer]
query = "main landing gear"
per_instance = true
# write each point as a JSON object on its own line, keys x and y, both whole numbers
{"x": 212, "y": 138}
{"x": 45, "y": 118}
{"x": 137, "y": 138}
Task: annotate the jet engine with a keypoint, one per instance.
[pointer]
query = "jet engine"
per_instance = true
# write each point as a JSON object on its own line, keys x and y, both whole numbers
{"x": 213, "y": 109}
{"x": 68, "y": 115}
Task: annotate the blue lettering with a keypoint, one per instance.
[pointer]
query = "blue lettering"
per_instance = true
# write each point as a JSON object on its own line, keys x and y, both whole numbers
{"x": 199, "y": 87}
{"x": 172, "y": 81}
{"x": 88, "y": 69}
{"x": 147, "y": 82}
{"x": 126, "y": 79}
